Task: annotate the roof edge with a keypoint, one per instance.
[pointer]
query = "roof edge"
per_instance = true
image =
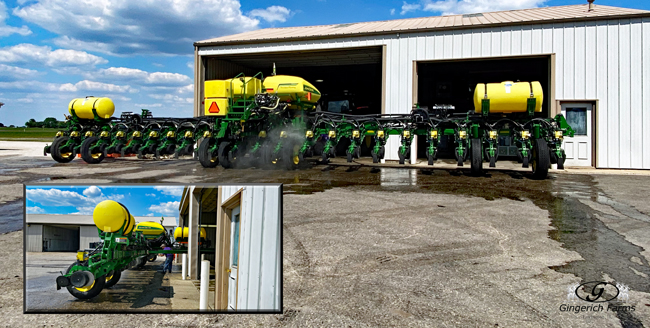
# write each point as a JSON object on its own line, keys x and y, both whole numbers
{"x": 207, "y": 43}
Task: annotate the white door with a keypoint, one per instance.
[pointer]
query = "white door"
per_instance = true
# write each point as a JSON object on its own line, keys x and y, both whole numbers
{"x": 578, "y": 148}
{"x": 234, "y": 258}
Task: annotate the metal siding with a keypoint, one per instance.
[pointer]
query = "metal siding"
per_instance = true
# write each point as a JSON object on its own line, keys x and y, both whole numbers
{"x": 590, "y": 55}
{"x": 612, "y": 95}
{"x": 579, "y": 62}
{"x": 624, "y": 93}
{"x": 568, "y": 74}
{"x": 87, "y": 235}
{"x": 646, "y": 94}
{"x": 34, "y": 238}
{"x": 587, "y": 60}
{"x": 260, "y": 259}
{"x": 602, "y": 131}
{"x": 636, "y": 96}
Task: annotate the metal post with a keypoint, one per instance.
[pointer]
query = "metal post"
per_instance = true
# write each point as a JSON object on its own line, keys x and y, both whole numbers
{"x": 205, "y": 285}
{"x": 184, "y": 267}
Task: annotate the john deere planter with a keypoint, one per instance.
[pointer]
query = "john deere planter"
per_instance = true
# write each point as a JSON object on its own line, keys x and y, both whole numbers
{"x": 123, "y": 246}
{"x": 269, "y": 122}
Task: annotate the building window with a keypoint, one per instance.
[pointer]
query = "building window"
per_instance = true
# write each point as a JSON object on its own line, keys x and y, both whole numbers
{"x": 577, "y": 119}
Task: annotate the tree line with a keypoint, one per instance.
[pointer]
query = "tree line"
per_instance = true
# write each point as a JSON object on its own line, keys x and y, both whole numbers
{"x": 49, "y": 122}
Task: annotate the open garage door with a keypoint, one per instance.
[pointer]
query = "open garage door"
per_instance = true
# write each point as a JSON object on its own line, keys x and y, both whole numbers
{"x": 349, "y": 79}
{"x": 452, "y": 82}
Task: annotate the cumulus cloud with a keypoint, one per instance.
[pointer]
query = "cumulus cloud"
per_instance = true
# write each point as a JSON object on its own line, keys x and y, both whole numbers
{"x": 6, "y": 30}
{"x": 392, "y": 11}
{"x": 166, "y": 209}
{"x": 170, "y": 190}
{"x": 84, "y": 202}
{"x": 35, "y": 210}
{"x": 168, "y": 98}
{"x": 272, "y": 14}
{"x": 140, "y": 27}
{"x": 14, "y": 72}
{"x": 451, "y": 7}
{"x": 408, "y": 7}
{"x": 44, "y": 55}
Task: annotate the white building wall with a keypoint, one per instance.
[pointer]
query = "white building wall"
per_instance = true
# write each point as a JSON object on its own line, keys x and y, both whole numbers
{"x": 606, "y": 60}
{"x": 260, "y": 261}
{"x": 34, "y": 238}
{"x": 87, "y": 235}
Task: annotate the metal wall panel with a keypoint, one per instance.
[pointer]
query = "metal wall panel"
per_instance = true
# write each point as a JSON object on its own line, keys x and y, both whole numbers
{"x": 87, "y": 235}
{"x": 34, "y": 238}
{"x": 260, "y": 244}
{"x": 606, "y": 60}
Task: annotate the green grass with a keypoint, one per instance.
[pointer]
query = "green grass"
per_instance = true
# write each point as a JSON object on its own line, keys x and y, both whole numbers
{"x": 27, "y": 134}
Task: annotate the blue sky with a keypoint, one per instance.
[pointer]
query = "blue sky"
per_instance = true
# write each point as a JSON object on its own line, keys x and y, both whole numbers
{"x": 140, "y": 53}
{"x": 154, "y": 201}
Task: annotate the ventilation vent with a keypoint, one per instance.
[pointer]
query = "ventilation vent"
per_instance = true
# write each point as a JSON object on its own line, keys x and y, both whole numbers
{"x": 344, "y": 25}
{"x": 472, "y": 15}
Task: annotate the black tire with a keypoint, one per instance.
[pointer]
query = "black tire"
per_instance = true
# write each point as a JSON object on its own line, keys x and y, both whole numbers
{"x": 61, "y": 155}
{"x": 357, "y": 152}
{"x": 86, "y": 152}
{"x": 349, "y": 156}
{"x": 541, "y": 161}
{"x": 476, "y": 157}
{"x": 206, "y": 158}
{"x": 524, "y": 162}
{"x": 382, "y": 152}
{"x": 325, "y": 156}
{"x": 460, "y": 160}
{"x": 430, "y": 158}
{"x": 375, "y": 157}
{"x": 402, "y": 157}
{"x": 89, "y": 293}
{"x": 111, "y": 280}
{"x": 223, "y": 153}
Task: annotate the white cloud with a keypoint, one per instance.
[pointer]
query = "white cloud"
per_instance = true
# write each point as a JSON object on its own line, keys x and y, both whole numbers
{"x": 29, "y": 54}
{"x": 149, "y": 214}
{"x": 186, "y": 89}
{"x": 449, "y": 7}
{"x": 139, "y": 27}
{"x": 17, "y": 72}
{"x": 35, "y": 210}
{"x": 148, "y": 106}
{"x": 6, "y": 30}
{"x": 392, "y": 11}
{"x": 172, "y": 98}
{"x": 166, "y": 209}
{"x": 408, "y": 7}
{"x": 170, "y": 190}
{"x": 272, "y": 14}
{"x": 84, "y": 203}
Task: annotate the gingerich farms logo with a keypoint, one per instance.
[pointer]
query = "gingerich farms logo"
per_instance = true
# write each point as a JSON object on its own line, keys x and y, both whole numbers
{"x": 597, "y": 296}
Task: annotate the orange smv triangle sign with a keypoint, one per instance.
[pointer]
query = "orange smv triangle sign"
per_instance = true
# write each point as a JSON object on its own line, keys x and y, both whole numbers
{"x": 214, "y": 108}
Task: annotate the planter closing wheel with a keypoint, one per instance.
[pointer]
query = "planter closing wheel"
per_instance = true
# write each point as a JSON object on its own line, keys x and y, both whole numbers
{"x": 61, "y": 153}
{"x": 541, "y": 159}
{"x": 90, "y": 153}
{"x": 476, "y": 156}
{"x": 112, "y": 278}
{"x": 87, "y": 292}
{"x": 224, "y": 154}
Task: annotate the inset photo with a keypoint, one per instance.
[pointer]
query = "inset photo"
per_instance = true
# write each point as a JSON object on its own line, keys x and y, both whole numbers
{"x": 153, "y": 248}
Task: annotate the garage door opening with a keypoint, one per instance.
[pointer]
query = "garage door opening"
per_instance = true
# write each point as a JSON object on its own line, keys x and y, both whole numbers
{"x": 350, "y": 80}
{"x": 453, "y": 83}
{"x": 60, "y": 238}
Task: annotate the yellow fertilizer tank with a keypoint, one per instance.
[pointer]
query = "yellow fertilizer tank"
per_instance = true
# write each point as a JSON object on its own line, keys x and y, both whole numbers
{"x": 181, "y": 234}
{"x": 111, "y": 216}
{"x": 150, "y": 229}
{"x": 508, "y": 96}
{"x": 291, "y": 88}
{"x": 83, "y": 107}
{"x": 218, "y": 93}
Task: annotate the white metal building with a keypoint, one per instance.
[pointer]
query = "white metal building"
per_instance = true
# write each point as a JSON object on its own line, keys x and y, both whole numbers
{"x": 243, "y": 224}
{"x": 69, "y": 233}
{"x": 594, "y": 65}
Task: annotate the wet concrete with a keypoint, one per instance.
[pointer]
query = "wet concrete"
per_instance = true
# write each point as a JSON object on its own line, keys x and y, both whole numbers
{"x": 138, "y": 289}
{"x": 592, "y": 218}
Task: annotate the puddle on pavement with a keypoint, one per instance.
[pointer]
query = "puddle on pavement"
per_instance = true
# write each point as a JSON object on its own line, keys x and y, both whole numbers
{"x": 11, "y": 218}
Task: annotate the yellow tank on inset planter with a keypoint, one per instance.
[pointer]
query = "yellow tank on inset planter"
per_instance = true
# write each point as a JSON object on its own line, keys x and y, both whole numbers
{"x": 291, "y": 88}
{"x": 150, "y": 229}
{"x": 83, "y": 107}
{"x": 181, "y": 234}
{"x": 508, "y": 96}
{"x": 111, "y": 216}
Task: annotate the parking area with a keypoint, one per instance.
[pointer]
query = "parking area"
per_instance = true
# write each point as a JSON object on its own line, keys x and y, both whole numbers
{"x": 367, "y": 246}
